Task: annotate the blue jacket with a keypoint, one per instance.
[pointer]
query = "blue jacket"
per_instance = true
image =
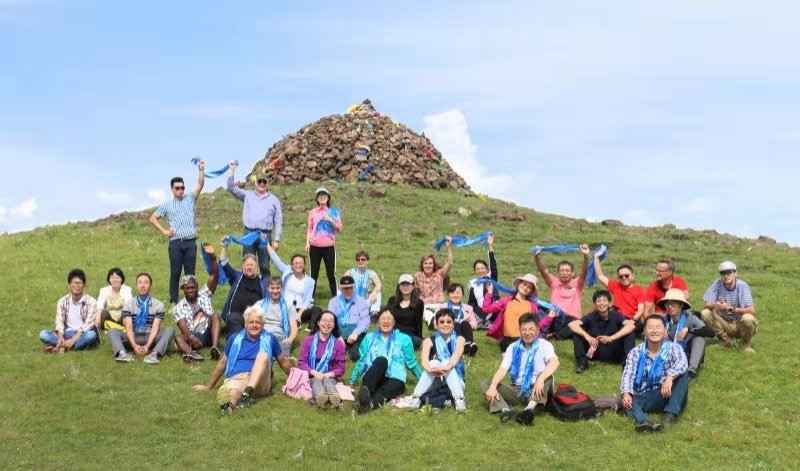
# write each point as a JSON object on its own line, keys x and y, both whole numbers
{"x": 235, "y": 278}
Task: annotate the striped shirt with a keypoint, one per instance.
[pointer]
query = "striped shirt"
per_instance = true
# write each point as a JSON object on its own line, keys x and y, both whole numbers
{"x": 739, "y": 296}
{"x": 180, "y": 214}
{"x": 156, "y": 311}
{"x": 676, "y": 364}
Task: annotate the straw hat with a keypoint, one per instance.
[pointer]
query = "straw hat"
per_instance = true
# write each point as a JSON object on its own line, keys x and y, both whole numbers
{"x": 674, "y": 294}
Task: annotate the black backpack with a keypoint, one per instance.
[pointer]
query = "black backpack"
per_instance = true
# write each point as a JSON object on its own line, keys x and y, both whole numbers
{"x": 438, "y": 395}
{"x": 568, "y": 404}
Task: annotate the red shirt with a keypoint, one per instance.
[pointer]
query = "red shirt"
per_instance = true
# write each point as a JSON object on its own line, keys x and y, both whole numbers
{"x": 655, "y": 292}
{"x": 627, "y": 299}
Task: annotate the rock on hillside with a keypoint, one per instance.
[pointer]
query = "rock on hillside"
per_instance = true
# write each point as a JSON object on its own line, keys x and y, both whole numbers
{"x": 360, "y": 145}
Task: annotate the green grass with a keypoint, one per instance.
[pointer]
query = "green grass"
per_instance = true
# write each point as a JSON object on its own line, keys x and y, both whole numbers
{"x": 84, "y": 411}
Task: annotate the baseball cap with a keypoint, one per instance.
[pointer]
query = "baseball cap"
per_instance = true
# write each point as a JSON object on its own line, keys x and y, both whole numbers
{"x": 405, "y": 278}
{"x": 727, "y": 265}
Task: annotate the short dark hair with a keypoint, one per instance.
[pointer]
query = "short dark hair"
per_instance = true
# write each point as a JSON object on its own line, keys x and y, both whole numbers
{"x": 624, "y": 265}
{"x": 150, "y": 278}
{"x": 442, "y": 313}
{"x": 670, "y": 264}
{"x": 567, "y": 263}
{"x": 362, "y": 253}
{"x": 602, "y": 293}
{"x": 275, "y": 280}
{"x": 529, "y": 317}
{"x": 115, "y": 271}
{"x": 657, "y": 317}
{"x": 454, "y": 286}
{"x": 298, "y": 255}
{"x": 335, "y": 332}
{"x": 386, "y": 310}
{"x": 76, "y": 273}
{"x": 476, "y": 262}
{"x": 174, "y": 181}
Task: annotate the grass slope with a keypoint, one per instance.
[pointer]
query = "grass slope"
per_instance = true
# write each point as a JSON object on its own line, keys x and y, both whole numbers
{"x": 85, "y": 411}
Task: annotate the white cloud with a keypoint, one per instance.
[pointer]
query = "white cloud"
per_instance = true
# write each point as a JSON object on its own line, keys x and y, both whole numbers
{"x": 156, "y": 195}
{"x": 26, "y": 209}
{"x": 113, "y": 197}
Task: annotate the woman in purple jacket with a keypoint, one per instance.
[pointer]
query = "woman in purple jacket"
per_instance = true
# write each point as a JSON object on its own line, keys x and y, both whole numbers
{"x": 322, "y": 355}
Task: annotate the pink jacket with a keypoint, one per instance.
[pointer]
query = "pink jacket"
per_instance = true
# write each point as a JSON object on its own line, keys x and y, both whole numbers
{"x": 496, "y": 330}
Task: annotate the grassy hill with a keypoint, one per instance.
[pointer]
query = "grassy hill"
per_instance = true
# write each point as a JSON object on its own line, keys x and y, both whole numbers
{"x": 85, "y": 411}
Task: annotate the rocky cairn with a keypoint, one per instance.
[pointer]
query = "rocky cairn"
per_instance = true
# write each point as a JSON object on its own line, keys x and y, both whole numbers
{"x": 361, "y": 145}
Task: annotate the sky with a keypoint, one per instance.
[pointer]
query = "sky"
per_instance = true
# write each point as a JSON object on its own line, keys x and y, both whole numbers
{"x": 650, "y": 112}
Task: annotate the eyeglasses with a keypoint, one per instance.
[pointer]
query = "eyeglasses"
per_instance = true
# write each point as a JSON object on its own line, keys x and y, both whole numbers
{"x": 662, "y": 271}
{"x": 346, "y": 287}
{"x": 262, "y": 182}
{"x": 362, "y": 259}
{"x": 726, "y": 272}
{"x": 179, "y": 188}
{"x": 624, "y": 275}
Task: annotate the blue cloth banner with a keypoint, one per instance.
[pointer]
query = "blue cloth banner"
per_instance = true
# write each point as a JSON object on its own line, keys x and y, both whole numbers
{"x": 363, "y": 175}
{"x": 323, "y": 226}
{"x": 541, "y": 303}
{"x": 247, "y": 240}
{"x": 590, "y": 275}
{"x": 222, "y": 279}
{"x": 215, "y": 173}
{"x": 458, "y": 241}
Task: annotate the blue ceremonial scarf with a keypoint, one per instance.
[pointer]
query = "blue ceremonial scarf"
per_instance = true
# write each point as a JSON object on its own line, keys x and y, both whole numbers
{"x": 363, "y": 175}
{"x": 656, "y": 367}
{"x": 222, "y": 278}
{"x": 361, "y": 281}
{"x": 516, "y": 359}
{"x": 678, "y": 328}
{"x": 237, "y": 345}
{"x": 376, "y": 350}
{"x": 344, "y": 309}
{"x": 323, "y": 226}
{"x": 284, "y": 313}
{"x": 458, "y": 241}
{"x": 140, "y": 322}
{"x": 539, "y": 302}
{"x": 247, "y": 240}
{"x": 458, "y": 313}
{"x": 444, "y": 354}
{"x": 590, "y": 275}
{"x": 215, "y": 173}
{"x": 326, "y": 355}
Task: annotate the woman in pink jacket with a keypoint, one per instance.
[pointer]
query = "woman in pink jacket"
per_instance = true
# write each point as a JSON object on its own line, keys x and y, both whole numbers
{"x": 323, "y": 224}
{"x": 509, "y": 309}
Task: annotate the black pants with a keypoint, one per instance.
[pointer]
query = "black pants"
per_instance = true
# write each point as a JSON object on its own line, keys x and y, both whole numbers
{"x": 310, "y": 315}
{"x": 614, "y": 352}
{"x": 465, "y": 330}
{"x": 235, "y": 323}
{"x": 505, "y": 342}
{"x": 351, "y": 349}
{"x": 381, "y": 388}
{"x": 182, "y": 254}
{"x": 559, "y": 328}
{"x": 328, "y": 254}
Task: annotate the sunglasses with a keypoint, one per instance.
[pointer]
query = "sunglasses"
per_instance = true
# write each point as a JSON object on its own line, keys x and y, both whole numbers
{"x": 624, "y": 275}
{"x": 262, "y": 182}
{"x": 179, "y": 188}
{"x": 362, "y": 259}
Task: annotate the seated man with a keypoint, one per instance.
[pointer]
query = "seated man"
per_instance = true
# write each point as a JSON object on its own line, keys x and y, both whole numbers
{"x": 246, "y": 364}
{"x": 247, "y": 288}
{"x": 684, "y": 328}
{"x": 279, "y": 319}
{"x": 352, "y": 312}
{"x": 194, "y": 313}
{"x": 729, "y": 308}
{"x": 368, "y": 284}
{"x": 142, "y": 317}
{"x": 565, "y": 290}
{"x": 666, "y": 279}
{"x": 74, "y": 329}
{"x": 603, "y": 335}
{"x": 654, "y": 379}
{"x": 532, "y": 362}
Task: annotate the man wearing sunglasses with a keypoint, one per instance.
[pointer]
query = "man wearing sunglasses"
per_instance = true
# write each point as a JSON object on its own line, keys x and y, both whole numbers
{"x": 182, "y": 232}
{"x": 628, "y": 296}
{"x": 729, "y": 308}
{"x": 262, "y": 214}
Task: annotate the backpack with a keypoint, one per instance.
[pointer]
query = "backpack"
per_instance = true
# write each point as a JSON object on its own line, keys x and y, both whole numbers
{"x": 567, "y": 404}
{"x": 297, "y": 384}
{"x": 438, "y": 395}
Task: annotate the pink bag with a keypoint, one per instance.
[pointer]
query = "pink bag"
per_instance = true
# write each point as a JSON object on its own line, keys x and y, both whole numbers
{"x": 297, "y": 384}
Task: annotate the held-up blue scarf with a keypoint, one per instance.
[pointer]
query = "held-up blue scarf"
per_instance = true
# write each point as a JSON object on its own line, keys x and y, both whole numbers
{"x": 678, "y": 328}
{"x": 361, "y": 281}
{"x": 326, "y": 355}
{"x": 516, "y": 359}
{"x": 363, "y": 175}
{"x": 459, "y": 313}
{"x": 444, "y": 354}
{"x": 547, "y": 307}
{"x": 325, "y": 227}
{"x": 590, "y": 275}
{"x": 284, "y": 313}
{"x": 222, "y": 279}
{"x": 458, "y": 241}
{"x": 215, "y": 173}
{"x": 376, "y": 349}
{"x": 656, "y": 367}
{"x": 140, "y": 323}
{"x": 237, "y": 346}
{"x": 247, "y": 240}
{"x": 344, "y": 309}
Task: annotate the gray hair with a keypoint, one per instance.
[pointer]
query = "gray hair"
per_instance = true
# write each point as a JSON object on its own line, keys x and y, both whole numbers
{"x": 255, "y": 309}
{"x": 244, "y": 259}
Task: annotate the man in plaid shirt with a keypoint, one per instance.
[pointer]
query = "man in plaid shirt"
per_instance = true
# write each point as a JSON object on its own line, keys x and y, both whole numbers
{"x": 198, "y": 324}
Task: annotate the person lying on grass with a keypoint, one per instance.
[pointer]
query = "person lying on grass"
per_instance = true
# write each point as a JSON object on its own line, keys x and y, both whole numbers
{"x": 74, "y": 325}
{"x": 384, "y": 356}
{"x": 198, "y": 324}
{"x": 441, "y": 358}
{"x": 322, "y": 355}
{"x": 531, "y": 362}
{"x": 246, "y": 364}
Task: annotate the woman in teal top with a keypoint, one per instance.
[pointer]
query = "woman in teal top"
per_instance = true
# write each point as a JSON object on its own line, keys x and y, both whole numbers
{"x": 384, "y": 356}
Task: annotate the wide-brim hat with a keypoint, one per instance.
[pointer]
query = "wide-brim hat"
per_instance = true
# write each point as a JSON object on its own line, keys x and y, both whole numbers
{"x": 674, "y": 294}
{"x": 530, "y": 278}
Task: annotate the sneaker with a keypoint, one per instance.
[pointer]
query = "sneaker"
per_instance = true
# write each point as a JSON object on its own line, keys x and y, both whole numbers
{"x": 473, "y": 349}
{"x": 321, "y": 400}
{"x": 525, "y": 417}
{"x": 582, "y": 366}
{"x": 364, "y": 400}
{"x": 669, "y": 419}
{"x": 192, "y": 357}
{"x": 214, "y": 353}
{"x": 226, "y": 409}
{"x": 508, "y": 414}
{"x": 746, "y": 348}
{"x": 691, "y": 374}
{"x": 645, "y": 427}
{"x": 245, "y": 401}
{"x": 415, "y": 403}
{"x": 152, "y": 358}
{"x": 123, "y": 357}
{"x": 461, "y": 406}
{"x": 335, "y": 400}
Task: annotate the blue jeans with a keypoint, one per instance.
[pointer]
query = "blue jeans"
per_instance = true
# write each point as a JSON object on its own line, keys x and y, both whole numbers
{"x": 454, "y": 382}
{"x": 88, "y": 339}
{"x": 182, "y": 254}
{"x": 255, "y": 249}
{"x": 653, "y": 401}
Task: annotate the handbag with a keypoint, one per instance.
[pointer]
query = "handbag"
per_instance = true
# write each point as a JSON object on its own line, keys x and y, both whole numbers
{"x": 297, "y": 384}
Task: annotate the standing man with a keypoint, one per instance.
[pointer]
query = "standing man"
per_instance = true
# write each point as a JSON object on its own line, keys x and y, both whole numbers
{"x": 262, "y": 214}
{"x": 628, "y": 296}
{"x": 182, "y": 232}
{"x": 729, "y": 308}
{"x": 565, "y": 290}
{"x": 665, "y": 280}
{"x": 74, "y": 329}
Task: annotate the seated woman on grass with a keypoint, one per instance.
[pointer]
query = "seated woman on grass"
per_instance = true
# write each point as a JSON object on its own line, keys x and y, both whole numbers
{"x": 441, "y": 358}
{"x": 477, "y": 288}
{"x": 322, "y": 355}
{"x": 407, "y": 309}
{"x": 431, "y": 279}
{"x": 465, "y": 319}
{"x": 509, "y": 309}
{"x": 384, "y": 355}
{"x": 111, "y": 300}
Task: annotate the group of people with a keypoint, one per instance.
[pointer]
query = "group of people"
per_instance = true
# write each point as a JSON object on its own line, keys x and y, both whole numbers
{"x": 263, "y": 315}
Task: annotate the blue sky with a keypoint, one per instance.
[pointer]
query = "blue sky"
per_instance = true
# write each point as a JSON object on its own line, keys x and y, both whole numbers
{"x": 649, "y": 112}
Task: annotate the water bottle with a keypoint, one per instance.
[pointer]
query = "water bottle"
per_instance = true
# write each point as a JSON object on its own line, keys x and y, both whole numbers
{"x": 591, "y": 351}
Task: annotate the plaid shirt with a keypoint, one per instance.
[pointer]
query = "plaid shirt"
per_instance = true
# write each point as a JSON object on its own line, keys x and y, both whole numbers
{"x": 88, "y": 311}
{"x": 196, "y": 317}
{"x": 675, "y": 365}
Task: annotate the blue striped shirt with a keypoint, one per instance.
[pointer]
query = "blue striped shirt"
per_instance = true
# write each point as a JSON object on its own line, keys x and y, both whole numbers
{"x": 739, "y": 296}
{"x": 180, "y": 214}
{"x": 675, "y": 365}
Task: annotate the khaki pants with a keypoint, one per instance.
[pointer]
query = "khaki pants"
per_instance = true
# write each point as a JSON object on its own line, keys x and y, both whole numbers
{"x": 509, "y": 395}
{"x": 744, "y": 329}
{"x": 239, "y": 381}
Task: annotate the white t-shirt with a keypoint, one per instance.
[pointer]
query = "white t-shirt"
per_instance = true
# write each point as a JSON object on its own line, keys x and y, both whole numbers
{"x": 74, "y": 320}
{"x": 544, "y": 353}
{"x": 293, "y": 291}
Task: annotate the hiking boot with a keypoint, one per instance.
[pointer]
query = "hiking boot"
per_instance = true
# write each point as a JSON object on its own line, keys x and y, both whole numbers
{"x": 123, "y": 357}
{"x": 245, "y": 401}
{"x": 646, "y": 427}
{"x": 192, "y": 357}
{"x": 692, "y": 374}
{"x": 415, "y": 403}
{"x": 335, "y": 400}
{"x": 473, "y": 349}
{"x": 508, "y": 414}
{"x": 364, "y": 400}
{"x": 461, "y": 406}
{"x": 152, "y": 358}
{"x": 525, "y": 417}
{"x": 582, "y": 366}
{"x": 214, "y": 352}
{"x": 669, "y": 419}
{"x": 321, "y": 400}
